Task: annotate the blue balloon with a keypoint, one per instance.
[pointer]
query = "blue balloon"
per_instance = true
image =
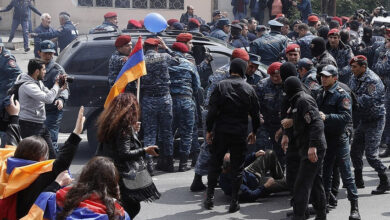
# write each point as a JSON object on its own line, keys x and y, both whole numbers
{"x": 154, "y": 22}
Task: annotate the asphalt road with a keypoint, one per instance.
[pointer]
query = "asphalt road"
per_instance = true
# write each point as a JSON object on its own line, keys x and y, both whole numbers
{"x": 178, "y": 203}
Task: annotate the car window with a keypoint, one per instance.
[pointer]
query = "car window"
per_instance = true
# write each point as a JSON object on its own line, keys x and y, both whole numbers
{"x": 90, "y": 60}
{"x": 220, "y": 59}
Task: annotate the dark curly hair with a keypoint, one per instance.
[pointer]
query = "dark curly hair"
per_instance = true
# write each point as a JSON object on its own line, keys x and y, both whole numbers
{"x": 99, "y": 177}
{"x": 121, "y": 115}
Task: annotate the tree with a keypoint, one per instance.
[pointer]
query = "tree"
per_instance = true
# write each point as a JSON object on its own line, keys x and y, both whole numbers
{"x": 346, "y": 7}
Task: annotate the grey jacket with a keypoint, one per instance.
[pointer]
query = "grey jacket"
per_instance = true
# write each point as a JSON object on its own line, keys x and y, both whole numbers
{"x": 33, "y": 96}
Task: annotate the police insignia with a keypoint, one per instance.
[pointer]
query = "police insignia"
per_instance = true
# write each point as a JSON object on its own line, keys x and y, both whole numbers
{"x": 12, "y": 63}
{"x": 307, "y": 118}
{"x": 371, "y": 89}
{"x": 346, "y": 103}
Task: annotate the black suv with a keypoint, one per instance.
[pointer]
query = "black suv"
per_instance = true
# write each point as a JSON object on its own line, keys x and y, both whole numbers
{"x": 87, "y": 57}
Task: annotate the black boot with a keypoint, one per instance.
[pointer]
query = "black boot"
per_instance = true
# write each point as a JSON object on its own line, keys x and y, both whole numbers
{"x": 234, "y": 206}
{"x": 197, "y": 184}
{"x": 354, "y": 215}
{"x": 183, "y": 166}
{"x": 383, "y": 185}
{"x": 169, "y": 164}
{"x": 359, "y": 179}
{"x": 194, "y": 158}
{"x": 209, "y": 202}
{"x": 385, "y": 153}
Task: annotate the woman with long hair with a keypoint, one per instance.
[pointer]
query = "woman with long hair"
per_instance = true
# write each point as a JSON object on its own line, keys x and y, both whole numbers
{"x": 93, "y": 189}
{"x": 117, "y": 134}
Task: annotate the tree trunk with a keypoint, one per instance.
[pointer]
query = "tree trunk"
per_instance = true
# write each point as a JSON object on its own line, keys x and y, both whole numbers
{"x": 332, "y": 7}
{"x": 324, "y": 6}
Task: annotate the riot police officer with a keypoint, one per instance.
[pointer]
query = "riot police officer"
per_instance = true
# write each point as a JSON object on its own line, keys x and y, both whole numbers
{"x": 335, "y": 107}
{"x": 222, "y": 30}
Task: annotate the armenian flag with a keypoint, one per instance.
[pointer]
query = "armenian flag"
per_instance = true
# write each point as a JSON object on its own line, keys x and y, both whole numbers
{"x": 49, "y": 204}
{"x": 133, "y": 69}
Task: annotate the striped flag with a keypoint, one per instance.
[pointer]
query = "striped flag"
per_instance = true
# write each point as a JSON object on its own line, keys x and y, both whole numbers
{"x": 133, "y": 69}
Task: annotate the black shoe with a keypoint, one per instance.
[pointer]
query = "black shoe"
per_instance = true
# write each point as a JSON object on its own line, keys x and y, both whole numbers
{"x": 354, "y": 215}
{"x": 209, "y": 202}
{"x": 359, "y": 179}
{"x": 169, "y": 164}
{"x": 183, "y": 164}
{"x": 234, "y": 206}
{"x": 197, "y": 184}
{"x": 194, "y": 158}
{"x": 383, "y": 185}
{"x": 385, "y": 153}
{"x": 26, "y": 49}
{"x": 332, "y": 200}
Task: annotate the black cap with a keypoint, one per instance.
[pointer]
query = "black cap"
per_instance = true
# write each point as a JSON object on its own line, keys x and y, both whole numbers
{"x": 47, "y": 46}
{"x": 238, "y": 66}
{"x": 236, "y": 26}
{"x": 217, "y": 12}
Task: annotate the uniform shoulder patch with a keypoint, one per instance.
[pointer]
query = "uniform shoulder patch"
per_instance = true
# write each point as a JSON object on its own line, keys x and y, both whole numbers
{"x": 307, "y": 118}
{"x": 347, "y": 103}
{"x": 371, "y": 89}
{"x": 12, "y": 63}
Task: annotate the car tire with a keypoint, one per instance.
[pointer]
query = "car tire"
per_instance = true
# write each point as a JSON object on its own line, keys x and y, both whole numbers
{"x": 92, "y": 134}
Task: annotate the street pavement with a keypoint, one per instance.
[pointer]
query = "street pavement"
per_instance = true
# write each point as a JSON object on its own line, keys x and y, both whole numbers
{"x": 178, "y": 203}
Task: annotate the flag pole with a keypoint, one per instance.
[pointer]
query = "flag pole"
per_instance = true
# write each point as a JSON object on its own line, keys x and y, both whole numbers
{"x": 138, "y": 88}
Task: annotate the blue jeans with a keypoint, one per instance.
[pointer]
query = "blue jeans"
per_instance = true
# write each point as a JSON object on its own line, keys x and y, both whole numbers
{"x": 53, "y": 121}
{"x": 157, "y": 121}
{"x": 338, "y": 152}
{"x": 15, "y": 23}
{"x": 367, "y": 138}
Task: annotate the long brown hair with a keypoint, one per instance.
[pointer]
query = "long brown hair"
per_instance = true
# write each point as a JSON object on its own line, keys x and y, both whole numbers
{"x": 99, "y": 177}
{"x": 120, "y": 116}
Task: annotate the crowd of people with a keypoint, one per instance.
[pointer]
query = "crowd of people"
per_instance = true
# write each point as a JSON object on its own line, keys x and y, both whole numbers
{"x": 299, "y": 128}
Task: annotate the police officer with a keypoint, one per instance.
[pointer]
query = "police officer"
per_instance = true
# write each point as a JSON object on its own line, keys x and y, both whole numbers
{"x": 370, "y": 93}
{"x": 341, "y": 52}
{"x": 237, "y": 40}
{"x": 123, "y": 46}
{"x": 110, "y": 24}
{"x": 222, "y": 30}
{"x": 380, "y": 52}
{"x": 184, "y": 82}
{"x": 320, "y": 55}
{"x": 217, "y": 14}
{"x": 21, "y": 16}
{"x": 335, "y": 107}
{"x": 269, "y": 46}
{"x": 156, "y": 99}
{"x": 65, "y": 34}
{"x": 293, "y": 53}
{"x": 308, "y": 74}
{"x": 304, "y": 40}
{"x": 9, "y": 70}
{"x": 253, "y": 74}
{"x": 308, "y": 131}
{"x": 54, "y": 110}
{"x": 202, "y": 164}
{"x": 269, "y": 92}
{"x": 227, "y": 124}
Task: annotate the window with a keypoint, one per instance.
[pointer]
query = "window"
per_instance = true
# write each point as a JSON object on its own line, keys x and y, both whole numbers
{"x": 141, "y": 4}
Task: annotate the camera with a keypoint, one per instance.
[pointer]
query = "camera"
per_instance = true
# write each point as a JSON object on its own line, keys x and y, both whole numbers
{"x": 62, "y": 79}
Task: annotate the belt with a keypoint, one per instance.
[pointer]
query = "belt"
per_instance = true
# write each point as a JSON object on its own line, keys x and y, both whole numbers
{"x": 156, "y": 95}
{"x": 181, "y": 96}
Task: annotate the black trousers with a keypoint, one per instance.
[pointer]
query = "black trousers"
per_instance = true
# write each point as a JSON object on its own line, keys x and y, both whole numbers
{"x": 293, "y": 159}
{"x": 131, "y": 207}
{"x": 28, "y": 129}
{"x": 308, "y": 184}
{"x": 223, "y": 143}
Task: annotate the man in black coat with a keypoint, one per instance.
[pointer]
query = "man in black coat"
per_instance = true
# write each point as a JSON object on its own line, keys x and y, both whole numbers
{"x": 232, "y": 100}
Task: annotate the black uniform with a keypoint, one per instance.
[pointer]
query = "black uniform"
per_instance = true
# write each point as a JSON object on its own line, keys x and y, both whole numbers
{"x": 230, "y": 104}
{"x": 308, "y": 131}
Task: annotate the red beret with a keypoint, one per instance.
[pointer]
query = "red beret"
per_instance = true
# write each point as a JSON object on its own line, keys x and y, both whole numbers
{"x": 152, "y": 41}
{"x": 122, "y": 40}
{"x": 110, "y": 14}
{"x": 334, "y": 31}
{"x": 235, "y": 21}
{"x": 135, "y": 23}
{"x": 387, "y": 32}
{"x": 358, "y": 58}
{"x": 171, "y": 21}
{"x": 274, "y": 67}
{"x": 180, "y": 47}
{"x": 141, "y": 22}
{"x": 338, "y": 20}
{"x": 279, "y": 15}
{"x": 345, "y": 18}
{"x": 184, "y": 37}
{"x": 240, "y": 53}
{"x": 293, "y": 48}
{"x": 313, "y": 18}
{"x": 194, "y": 21}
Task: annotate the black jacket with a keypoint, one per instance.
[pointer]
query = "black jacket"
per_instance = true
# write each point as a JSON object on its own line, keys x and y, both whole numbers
{"x": 126, "y": 151}
{"x": 27, "y": 197}
{"x": 231, "y": 102}
{"x": 308, "y": 129}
